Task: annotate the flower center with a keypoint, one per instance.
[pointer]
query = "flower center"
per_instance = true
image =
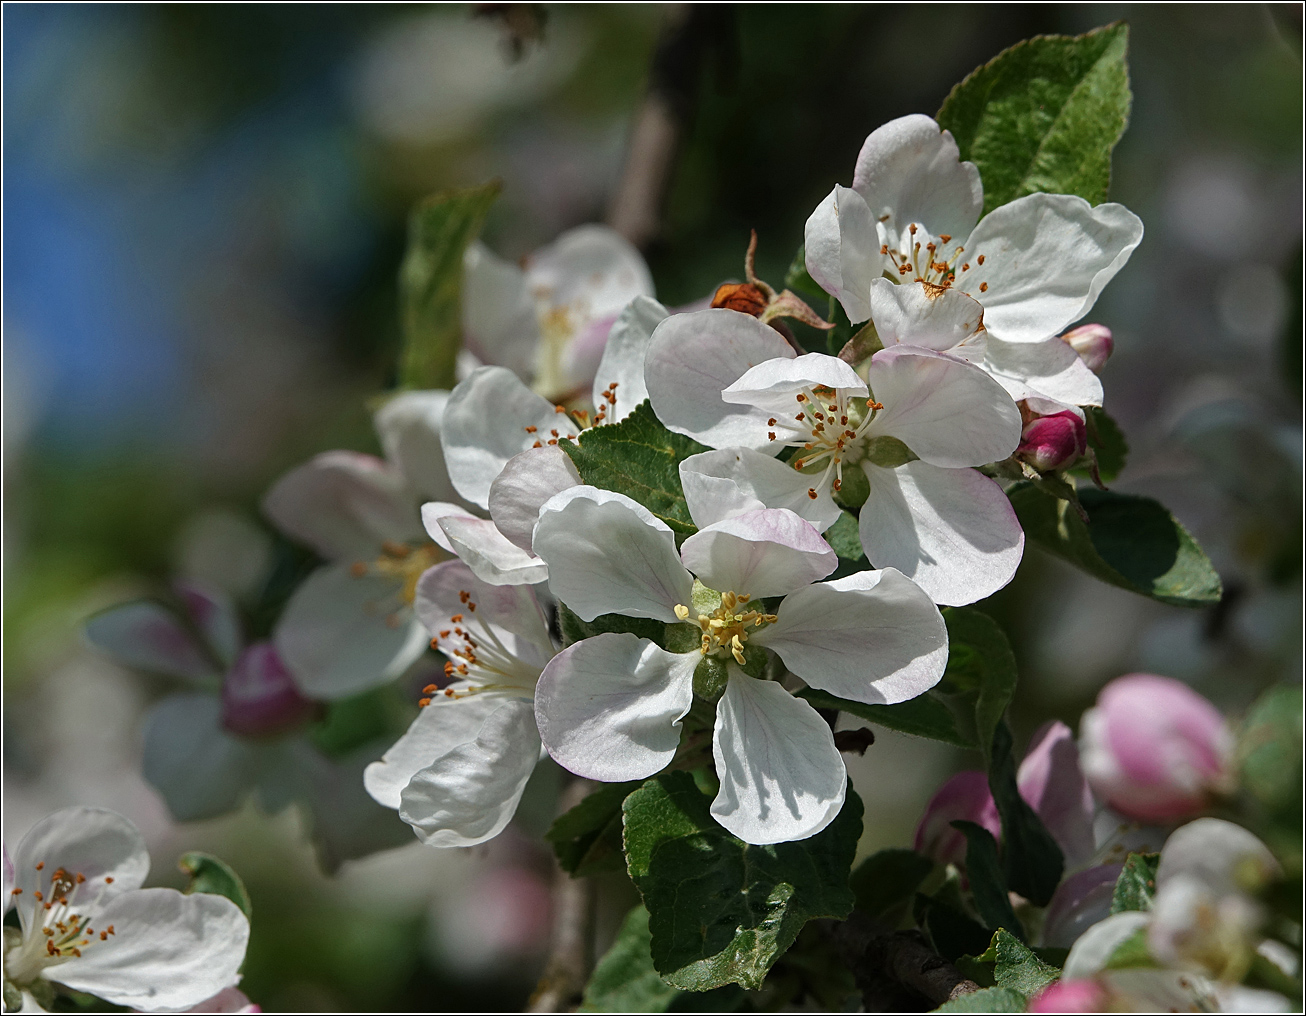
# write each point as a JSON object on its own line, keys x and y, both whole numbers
{"x": 830, "y": 427}
{"x": 727, "y": 628}
{"x": 63, "y": 932}
{"x": 558, "y": 324}
{"x": 930, "y": 261}
{"x": 553, "y": 435}
{"x": 404, "y": 563}
{"x": 485, "y": 663}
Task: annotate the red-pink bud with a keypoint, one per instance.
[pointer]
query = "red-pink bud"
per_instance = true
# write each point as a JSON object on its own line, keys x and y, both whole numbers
{"x": 1084, "y": 995}
{"x": 259, "y": 697}
{"x": 965, "y": 796}
{"x": 1093, "y": 343}
{"x": 1053, "y": 442}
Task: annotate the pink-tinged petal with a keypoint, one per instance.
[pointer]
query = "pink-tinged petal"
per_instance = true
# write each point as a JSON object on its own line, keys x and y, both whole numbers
{"x": 1070, "y": 996}
{"x": 499, "y": 320}
{"x": 965, "y": 797}
{"x": 147, "y": 636}
{"x": 731, "y": 481}
{"x": 1080, "y": 902}
{"x": 910, "y": 170}
{"x": 1223, "y": 857}
{"x": 215, "y": 616}
{"x": 409, "y": 427}
{"x": 908, "y": 313}
{"x": 7, "y": 900}
{"x": 490, "y": 554}
{"x": 693, "y": 358}
{"x": 1092, "y": 950}
{"x": 948, "y": 412}
{"x": 761, "y": 553}
{"x": 609, "y": 707}
{"x": 451, "y": 589}
{"x": 433, "y": 512}
{"x": 774, "y": 382}
{"x": 1046, "y": 259}
{"x": 201, "y": 768}
{"x": 1048, "y": 369}
{"x": 229, "y": 1000}
{"x": 842, "y": 250}
{"x": 609, "y": 554}
{"x": 527, "y": 481}
{"x": 343, "y": 505}
{"x": 490, "y": 418}
{"x": 952, "y": 531}
{"x": 871, "y": 637}
{"x": 259, "y": 697}
{"x": 1053, "y": 784}
{"x": 781, "y": 776}
{"x": 1092, "y": 344}
{"x": 619, "y": 380}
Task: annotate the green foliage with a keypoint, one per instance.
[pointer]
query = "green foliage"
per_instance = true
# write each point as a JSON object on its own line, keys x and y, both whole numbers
{"x": 587, "y": 839}
{"x": 1016, "y": 967}
{"x": 987, "y": 885}
{"x": 1129, "y": 541}
{"x": 1132, "y": 952}
{"x": 981, "y": 668}
{"x": 624, "y": 979}
{"x": 843, "y": 536}
{"x": 640, "y": 458}
{"x": 1108, "y": 443}
{"x": 800, "y": 280}
{"x": 1031, "y": 859}
{"x": 574, "y": 629}
{"x": 721, "y": 910}
{"x": 1137, "y": 883}
{"x": 887, "y": 879}
{"x": 923, "y": 716}
{"x": 953, "y": 932}
{"x": 1270, "y": 751}
{"x": 1044, "y": 115}
{"x": 209, "y": 874}
{"x": 350, "y": 723}
{"x": 987, "y": 1000}
{"x": 430, "y": 282}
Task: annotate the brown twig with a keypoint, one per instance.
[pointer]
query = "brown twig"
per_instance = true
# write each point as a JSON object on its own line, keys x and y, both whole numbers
{"x": 874, "y": 952}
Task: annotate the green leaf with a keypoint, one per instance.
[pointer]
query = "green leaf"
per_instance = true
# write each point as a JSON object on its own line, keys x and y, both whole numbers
{"x": 844, "y": 539}
{"x": 574, "y": 629}
{"x": 1132, "y": 952}
{"x": 953, "y": 933}
{"x": 800, "y": 280}
{"x": 1137, "y": 883}
{"x": 1270, "y": 750}
{"x": 986, "y": 1000}
{"x": 721, "y": 910}
{"x": 981, "y": 666}
{"x": 1031, "y": 859}
{"x": 987, "y": 885}
{"x": 887, "y": 879}
{"x": 430, "y": 282}
{"x": 1016, "y": 967}
{"x": 923, "y": 716}
{"x": 1108, "y": 443}
{"x": 209, "y": 874}
{"x": 1044, "y": 115}
{"x": 349, "y": 723}
{"x": 640, "y": 458}
{"x": 587, "y": 839}
{"x": 1129, "y": 541}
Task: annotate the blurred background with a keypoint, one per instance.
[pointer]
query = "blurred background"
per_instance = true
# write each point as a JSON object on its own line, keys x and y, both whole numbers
{"x": 205, "y": 211}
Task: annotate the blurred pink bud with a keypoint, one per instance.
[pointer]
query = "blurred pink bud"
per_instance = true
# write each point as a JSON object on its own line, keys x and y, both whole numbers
{"x": 1093, "y": 343}
{"x": 1053, "y": 784}
{"x": 1053, "y": 442}
{"x": 1083, "y": 995}
{"x": 1080, "y": 902}
{"x": 1153, "y": 749}
{"x": 259, "y": 697}
{"x": 965, "y": 796}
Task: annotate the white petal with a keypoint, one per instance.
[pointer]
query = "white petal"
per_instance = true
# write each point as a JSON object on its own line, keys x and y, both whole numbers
{"x": 511, "y": 610}
{"x": 609, "y": 707}
{"x": 1094, "y": 947}
{"x": 231, "y": 1000}
{"x": 215, "y": 616}
{"x": 485, "y": 424}
{"x": 433, "y": 512}
{"x": 843, "y": 250}
{"x": 1221, "y": 855}
{"x": 774, "y": 382}
{"x": 950, "y": 413}
{"x": 168, "y": 951}
{"x": 762, "y": 553}
{"x": 490, "y": 554}
{"x": 693, "y": 358}
{"x": 341, "y": 634}
{"x": 468, "y": 795}
{"x": 1048, "y": 369}
{"x": 1046, "y": 259}
{"x": 439, "y": 728}
{"x": 343, "y": 504}
{"x": 781, "y": 776}
{"x": 871, "y": 637}
{"x": 952, "y": 531}
{"x": 146, "y": 635}
{"x": 731, "y": 481}
{"x": 911, "y": 171}
{"x": 527, "y": 481}
{"x": 200, "y": 769}
{"x": 907, "y": 313}
{"x": 608, "y": 554}
{"x": 409, "y": 428}
{"x": 94, "y": 842}
{"x": 499, "y": 322}
{"x": 623, "y": 357}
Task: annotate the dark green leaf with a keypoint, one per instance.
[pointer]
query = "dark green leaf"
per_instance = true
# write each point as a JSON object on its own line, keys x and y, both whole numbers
{"x": 574, "y": 629}
{"x": 1129, "y": 541}
{"x": 923, "y": 716}
{"x": 1108, "y": 443}
{"x": 987, "y": 884}
{"x": 981, "y": 666}
{"x": 430, "y": 282}
{"x": 349, "y": 723}
{"x": 640, "y": 458}
{"x": 953, "y": 932}
{"x": 844, "y": 539}
{"x": 1016, "y": 967}
{"x": 587, "y": 839}
{"x": 1031, "y": 859}
{"x": 722, "y": 910}
{"x": 986, "y": 1000}
{"x": 1044, "y": 115}
{"x": 209, "y": 874}
{"x": 1270, "y": 750}
{"x": 887, "y": 879}
{"x": 624, "y": 979}
{"x": 1137, "y": 883}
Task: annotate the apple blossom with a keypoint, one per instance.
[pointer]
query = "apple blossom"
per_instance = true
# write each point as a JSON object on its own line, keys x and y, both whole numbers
{"x": 86, "y": 923}
{"x": 1054, "y": 441}
{"x": 610, "y": 706}
{"x": 1093, "y": 343}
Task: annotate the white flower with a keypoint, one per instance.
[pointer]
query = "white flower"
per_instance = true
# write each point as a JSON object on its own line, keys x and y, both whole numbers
{"x": 88, "y": 925}
{"x": 457, "y": 774}
{"x": 610, "y": 707}
{"x": 549, "y": 320}
{"x": 730, "y": 382}
{"x": 1028, "y": 269}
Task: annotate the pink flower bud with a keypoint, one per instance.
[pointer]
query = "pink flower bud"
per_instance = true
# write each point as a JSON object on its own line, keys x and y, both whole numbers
{"x": 1154, "y": 749}
{"x": 1084, "y": 995}
{"x": 1093, "y": 344}
{"x": 965, "y": 796}
{"x": 1053, "y": 442}
{"x": 1052, "y": 783}
{"x": 259, "y": 697}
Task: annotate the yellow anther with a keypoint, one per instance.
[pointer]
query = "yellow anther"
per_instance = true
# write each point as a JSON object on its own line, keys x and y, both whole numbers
{"x": 682, "y": 611}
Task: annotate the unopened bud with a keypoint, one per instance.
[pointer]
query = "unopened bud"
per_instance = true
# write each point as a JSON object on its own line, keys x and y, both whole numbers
{"x": 259, "y": 696}
{"x": 1093, "y": 344}
{"x": 965, "y": 796}
{"x": 1053, "y": 442}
